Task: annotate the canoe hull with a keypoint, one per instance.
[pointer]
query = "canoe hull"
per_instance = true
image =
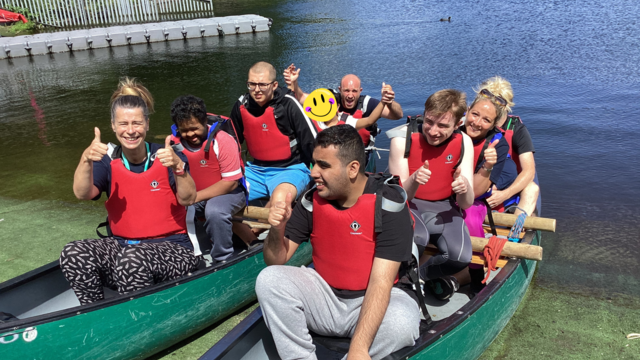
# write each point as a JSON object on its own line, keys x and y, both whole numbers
{"x": 145, "y": 324}
{"x": 471, "y": 338}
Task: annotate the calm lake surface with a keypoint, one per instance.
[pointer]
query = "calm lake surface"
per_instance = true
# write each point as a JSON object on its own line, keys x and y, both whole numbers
{"x": 573, "y": 65}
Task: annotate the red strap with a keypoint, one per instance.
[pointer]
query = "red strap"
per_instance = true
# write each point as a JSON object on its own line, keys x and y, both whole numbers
{"x": 492, "y": 253}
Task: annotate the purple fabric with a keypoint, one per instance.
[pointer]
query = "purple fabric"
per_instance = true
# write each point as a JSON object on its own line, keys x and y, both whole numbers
{"x": 474, "y": 218}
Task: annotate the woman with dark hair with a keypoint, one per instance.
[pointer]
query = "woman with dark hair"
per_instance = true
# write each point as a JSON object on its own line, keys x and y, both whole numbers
{"x": 148, "y": 187}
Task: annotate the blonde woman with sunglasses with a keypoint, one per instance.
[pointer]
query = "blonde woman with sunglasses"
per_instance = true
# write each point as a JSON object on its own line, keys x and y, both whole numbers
{"x": 521, "y": 151}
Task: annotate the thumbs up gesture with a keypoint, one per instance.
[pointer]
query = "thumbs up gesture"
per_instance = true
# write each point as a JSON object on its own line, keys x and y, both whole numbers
{"x": 422, "y": 175}
{"x": 459, "y": 184}
{"x": 280, "y": 213}
{"x": 97, "y": 149}
{"x": 167, "y": 156}
{"x": 490, "y": 155}
{"x": 387, "y": 94}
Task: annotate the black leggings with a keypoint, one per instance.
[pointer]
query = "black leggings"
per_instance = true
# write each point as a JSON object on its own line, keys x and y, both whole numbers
{"x": 448, "y": 232}
{"x": 91, "y": 264}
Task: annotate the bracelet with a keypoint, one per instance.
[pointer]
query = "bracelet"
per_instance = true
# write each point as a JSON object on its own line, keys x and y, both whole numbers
{"x": 487, "y": 170}
{"x": 179, "y": 171}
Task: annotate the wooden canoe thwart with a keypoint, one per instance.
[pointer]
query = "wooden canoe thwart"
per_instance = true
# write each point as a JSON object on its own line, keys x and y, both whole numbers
{"x": 523, "y": 251}
{"x": 531, "y": 222}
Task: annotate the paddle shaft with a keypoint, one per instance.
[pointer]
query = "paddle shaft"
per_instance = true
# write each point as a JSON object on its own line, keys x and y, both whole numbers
{"x": 531, "y": 222}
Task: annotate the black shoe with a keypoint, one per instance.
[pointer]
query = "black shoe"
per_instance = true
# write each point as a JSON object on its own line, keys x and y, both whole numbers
{"x": 476, "y": 285}
{"x": 443, "y": 288}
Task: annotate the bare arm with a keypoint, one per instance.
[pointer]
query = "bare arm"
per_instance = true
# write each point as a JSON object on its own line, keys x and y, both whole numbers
{"x": 220, "y": 188}
{"x": 185, "y": 187}
{"x": 393, "y": 110}
{"x": 277, "y": 248}
{"x": 465, "y": 192}
{"x": 399, "y": 166}
{"x": 291, "y": 79}
{"x": 482, "y": 179}
{"x": 83, "y": 186}
{"x": 374, "y": 306}
{"x": 372, "y": 118}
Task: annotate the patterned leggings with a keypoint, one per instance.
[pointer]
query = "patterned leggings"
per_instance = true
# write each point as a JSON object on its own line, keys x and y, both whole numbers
{"x": 91, "y": 264}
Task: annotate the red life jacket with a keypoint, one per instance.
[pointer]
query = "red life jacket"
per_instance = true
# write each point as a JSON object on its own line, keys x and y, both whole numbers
{"x": 203, "y": 163}
{"x": 509, "y": 126}
{"x": 364, "y": 133}
{"x": 143, "y": 206}
{"x": 344, "y": 241}
{"x": 264, "y": 140}
{"x": 443, "y": 162}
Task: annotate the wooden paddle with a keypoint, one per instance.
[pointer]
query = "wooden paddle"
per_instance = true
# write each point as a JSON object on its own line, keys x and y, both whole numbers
{"x": 531, "y": 222}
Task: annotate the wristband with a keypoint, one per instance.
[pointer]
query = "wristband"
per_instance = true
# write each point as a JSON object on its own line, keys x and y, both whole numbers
{"x": 487, "y": 170}
{"x": 179, "y": 171}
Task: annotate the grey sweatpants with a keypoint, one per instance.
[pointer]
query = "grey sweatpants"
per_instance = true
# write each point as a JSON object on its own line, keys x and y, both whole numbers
{"x": 448, "y": 232}
{"x": 218, "y": 212}
{"x": 295, "y": 300}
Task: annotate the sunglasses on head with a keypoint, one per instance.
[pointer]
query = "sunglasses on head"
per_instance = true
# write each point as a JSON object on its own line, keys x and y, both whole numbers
{"x": 489, "y": 95}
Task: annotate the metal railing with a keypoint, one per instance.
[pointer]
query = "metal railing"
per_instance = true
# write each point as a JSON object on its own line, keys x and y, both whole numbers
{"x": 95, "y": 13}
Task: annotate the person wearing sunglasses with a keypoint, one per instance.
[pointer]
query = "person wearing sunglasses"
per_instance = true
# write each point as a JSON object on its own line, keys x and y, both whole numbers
{"x": 279, "y": 137}
{"x": 493, "y": 167}
{"x": 521, "y": 150}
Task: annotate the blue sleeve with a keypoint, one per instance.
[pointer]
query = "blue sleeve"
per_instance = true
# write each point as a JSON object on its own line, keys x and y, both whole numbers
{"x": 102, "y": 176}
{"x": 370, "y": 106}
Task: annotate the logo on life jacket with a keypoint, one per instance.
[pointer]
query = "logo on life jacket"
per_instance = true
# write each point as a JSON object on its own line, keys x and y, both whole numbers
{"x": 264, "y": 127}
{"x": 355, "y": 226}
{"x": 449, "y": 158}
{"x": 154, "y": 184}
{"x": 203, "y": 162}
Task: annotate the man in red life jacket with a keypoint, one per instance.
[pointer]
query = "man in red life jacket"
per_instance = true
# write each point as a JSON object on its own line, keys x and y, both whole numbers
{"x": 147, "y": 188}
{"x": 353, "y": 290}
{"x": 435, "y": 163}
{"x": 351, "y": 101}
{"x": 216, "y": 168}
{"x": 278, "y": 134}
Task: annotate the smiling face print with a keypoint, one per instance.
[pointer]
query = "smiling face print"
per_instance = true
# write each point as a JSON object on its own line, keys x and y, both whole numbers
{"x": 320, "y": 105}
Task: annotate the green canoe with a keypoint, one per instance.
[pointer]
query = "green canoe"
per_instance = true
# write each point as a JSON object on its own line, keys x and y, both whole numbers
{"x": 51, "y": 324}
{"x": 462, "y": 328}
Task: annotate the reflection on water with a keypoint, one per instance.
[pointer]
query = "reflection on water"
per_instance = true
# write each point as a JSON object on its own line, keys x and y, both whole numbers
{"x": 573, "y": 67}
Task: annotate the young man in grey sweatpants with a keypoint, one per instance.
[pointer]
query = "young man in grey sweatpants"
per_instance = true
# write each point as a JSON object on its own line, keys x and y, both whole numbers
{"x": 353, "y": 290}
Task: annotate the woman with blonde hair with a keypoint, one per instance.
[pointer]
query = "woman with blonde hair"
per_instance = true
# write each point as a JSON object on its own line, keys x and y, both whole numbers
{"x": 521, "y": 151}
{"x": 148, "y": 188}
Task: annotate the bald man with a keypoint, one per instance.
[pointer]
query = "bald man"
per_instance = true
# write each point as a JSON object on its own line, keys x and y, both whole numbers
{"x": 350, "y": 99}
{"x": 278, "y": 134}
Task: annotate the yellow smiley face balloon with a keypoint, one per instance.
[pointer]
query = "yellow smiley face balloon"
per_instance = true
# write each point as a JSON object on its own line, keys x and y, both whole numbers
{"x": 320, "y": 105}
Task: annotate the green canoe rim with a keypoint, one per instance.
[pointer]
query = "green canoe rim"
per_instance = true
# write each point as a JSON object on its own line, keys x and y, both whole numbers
{"x": 77, "y": 310}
